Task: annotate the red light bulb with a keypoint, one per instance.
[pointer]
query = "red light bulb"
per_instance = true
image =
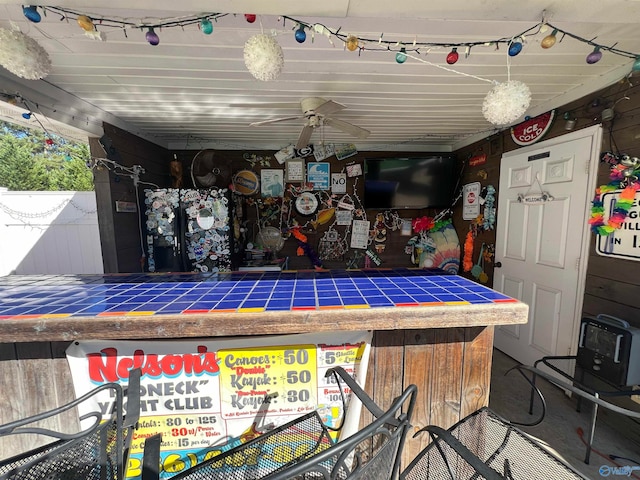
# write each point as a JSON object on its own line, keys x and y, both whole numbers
{"x": 453, "y": 56}
{"x": 250, "y": 17}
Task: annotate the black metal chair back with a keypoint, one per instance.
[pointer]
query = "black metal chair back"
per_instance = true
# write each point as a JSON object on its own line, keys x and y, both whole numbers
{"x": 303, "y": 449}
{"x": 98, "y": 452}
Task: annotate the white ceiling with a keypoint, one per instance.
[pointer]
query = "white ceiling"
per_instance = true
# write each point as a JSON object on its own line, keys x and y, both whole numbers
{"x": 192, "y": 90}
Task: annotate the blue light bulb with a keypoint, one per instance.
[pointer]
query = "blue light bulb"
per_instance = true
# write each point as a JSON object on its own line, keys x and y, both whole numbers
{"x": 300, "y": 35}
{"x": 206, "y": 26}
{"x": 31, "y": 12}
{"x": 515, "y": 48}
{"x": 401, "y": 56}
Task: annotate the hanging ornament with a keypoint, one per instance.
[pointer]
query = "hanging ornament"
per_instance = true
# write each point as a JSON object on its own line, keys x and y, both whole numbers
{"x": 23, "y": 56}
{"x": 550, "y": 40}
{"x": 505, "y": 102}
{"x": 515, "y": 47}
{"x": 401, "y": 56}
{"x": 352, "y": 43}
{"x": 206, "y": 26}
{"x": 636, "y": 65}
{"x": 152, "y": 37}
{"x": 263, "y": 57}
{"x": 85, "y": 23}
{"x": 300, "y": 35}
{"x": 595, "y": 56}
{"x": 453, "y": 56}
{"x": 250, "y": 17}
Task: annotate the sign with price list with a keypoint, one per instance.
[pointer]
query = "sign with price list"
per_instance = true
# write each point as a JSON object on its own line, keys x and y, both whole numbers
{"x": 207, "y": 396}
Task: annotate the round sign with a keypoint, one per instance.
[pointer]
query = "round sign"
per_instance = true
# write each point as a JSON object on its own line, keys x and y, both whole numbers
{"x": 245, "y": 182}
{"x": 306, "y": 203}
{"x": 532, "y": 130}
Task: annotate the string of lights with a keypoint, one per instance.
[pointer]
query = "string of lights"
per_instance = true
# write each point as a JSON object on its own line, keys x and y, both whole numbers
{"x": 91, "y": 22}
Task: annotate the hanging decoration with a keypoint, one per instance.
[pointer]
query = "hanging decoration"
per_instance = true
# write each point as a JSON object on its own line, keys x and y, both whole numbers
{"x": 624, "y": 174}
{"x": 505, "y": 102}
{"x": 23, "y": 56}
{"x": 305, "y": 249}
{"x": 467, "y": 261}
{"x": 489, "y": 215}
{"x": 263, "y": 57}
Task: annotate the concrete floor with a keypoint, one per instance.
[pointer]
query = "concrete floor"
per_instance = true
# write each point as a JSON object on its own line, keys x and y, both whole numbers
{"x": 615, "y": 434}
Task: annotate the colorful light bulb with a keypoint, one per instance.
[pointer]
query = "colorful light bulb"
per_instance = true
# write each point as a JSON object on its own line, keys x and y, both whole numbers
{"x": 401, "y": 56}
{"x": 453, "y": 56}
{"x": 206, "y": 26}
{"x": 85, "y": 23}
{"x": 26, "y": 115}
{"x": 31, "y": 12}
{"x": 300, "y": 35}
{"x": 515, "y": 48}
{"x": 250, "y": 17}
{"x": 595, "y": 56}
{"x": 550, "y": 40}
{"x": 352, "y": 43}
{"x": 636, "y": 65}
{"x": 152, "y": 37}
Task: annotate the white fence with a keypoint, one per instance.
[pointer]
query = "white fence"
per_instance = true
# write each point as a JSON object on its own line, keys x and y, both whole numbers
{"x": 49, "y": 233}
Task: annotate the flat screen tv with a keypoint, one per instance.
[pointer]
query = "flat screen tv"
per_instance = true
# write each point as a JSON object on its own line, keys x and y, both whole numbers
{"x": 401, "y": 183}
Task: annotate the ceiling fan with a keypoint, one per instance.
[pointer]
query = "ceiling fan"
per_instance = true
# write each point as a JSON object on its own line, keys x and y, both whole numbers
{"x": 317, "y": 112}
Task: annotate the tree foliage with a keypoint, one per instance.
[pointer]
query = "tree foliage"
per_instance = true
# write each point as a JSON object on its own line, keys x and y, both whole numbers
{"x": 28, "y": 163}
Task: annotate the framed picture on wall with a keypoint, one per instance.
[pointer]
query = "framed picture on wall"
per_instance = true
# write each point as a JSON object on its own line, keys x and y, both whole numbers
{"x": 271, "y": 182}
{"x": 294, "y": 170}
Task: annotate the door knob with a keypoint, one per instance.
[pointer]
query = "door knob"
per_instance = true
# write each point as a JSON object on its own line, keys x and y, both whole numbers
{"x": 497, "y": 265}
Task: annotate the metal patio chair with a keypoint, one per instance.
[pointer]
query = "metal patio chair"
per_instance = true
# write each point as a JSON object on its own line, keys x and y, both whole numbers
{"x": 97, "y": 452}
{"x": 303, "y": 449}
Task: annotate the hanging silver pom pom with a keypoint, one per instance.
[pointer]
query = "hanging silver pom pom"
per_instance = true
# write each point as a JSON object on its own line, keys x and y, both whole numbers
{"x": 505, "y": 102}
{"x": 23, "y": 56}
{"x": 263, "y": 57}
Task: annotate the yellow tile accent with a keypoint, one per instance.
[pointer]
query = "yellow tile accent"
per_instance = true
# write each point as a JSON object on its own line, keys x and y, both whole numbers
{"x": 357, "y": 306}
{"x": 56, "y": 315}
{"x": 251, "y": 310}
{"x": 457, "y": 303}
{"x": 139, "y": 314}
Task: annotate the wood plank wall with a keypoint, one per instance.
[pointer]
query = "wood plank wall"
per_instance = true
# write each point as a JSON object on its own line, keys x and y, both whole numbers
{"x": 611, "y": 284}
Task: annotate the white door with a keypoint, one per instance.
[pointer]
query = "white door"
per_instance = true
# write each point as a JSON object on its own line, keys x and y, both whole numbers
{"x": 543, "y": 247}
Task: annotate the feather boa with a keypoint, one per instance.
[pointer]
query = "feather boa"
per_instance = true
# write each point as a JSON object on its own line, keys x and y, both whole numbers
{"x": 467, "y": 261}
{"x": 621, "y": 208}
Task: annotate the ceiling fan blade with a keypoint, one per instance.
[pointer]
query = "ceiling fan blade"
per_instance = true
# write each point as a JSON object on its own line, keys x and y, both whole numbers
{"x": 347, "y": 127}
{"x": 305, "y": 136}
{"x": 329, "y": 107}
{"x": 275, "y": 120}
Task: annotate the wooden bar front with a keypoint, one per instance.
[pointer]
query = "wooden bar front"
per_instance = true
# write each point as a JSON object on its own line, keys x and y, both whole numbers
{"x": 445, "y": 350}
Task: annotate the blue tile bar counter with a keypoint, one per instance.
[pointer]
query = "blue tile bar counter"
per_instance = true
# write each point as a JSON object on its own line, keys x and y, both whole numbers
{"x": 178, "y": 305}
{"x": 429, "y": 329}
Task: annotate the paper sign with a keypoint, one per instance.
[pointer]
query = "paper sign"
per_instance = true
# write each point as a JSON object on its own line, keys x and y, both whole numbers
{"x": 470, "y": 201}
{"x": 360, "y": 234}
{"x": 318, "y": 174}
{"x": 339, "y": 183}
